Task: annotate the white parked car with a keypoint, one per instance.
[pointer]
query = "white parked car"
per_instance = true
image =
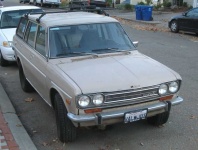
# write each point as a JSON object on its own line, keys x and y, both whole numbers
{"x": 9, "y": 18}
{"x": 45, "y": 2}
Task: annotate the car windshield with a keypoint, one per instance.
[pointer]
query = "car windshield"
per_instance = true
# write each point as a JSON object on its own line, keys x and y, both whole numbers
{"x": 88, "y": 39}
{"x": 10, "y": 19}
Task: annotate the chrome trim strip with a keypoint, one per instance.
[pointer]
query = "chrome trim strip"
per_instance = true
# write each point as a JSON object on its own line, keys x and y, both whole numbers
{"x": 130, "y": 91}
{"x": 120, "y": 113}
{"x": 176, "y": 101}
{"x": 132, "y": 99}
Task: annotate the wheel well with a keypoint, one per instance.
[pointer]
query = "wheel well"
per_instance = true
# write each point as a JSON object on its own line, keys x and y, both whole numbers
{"x": 52, "y": 94}
{"x": 18, "y": 61}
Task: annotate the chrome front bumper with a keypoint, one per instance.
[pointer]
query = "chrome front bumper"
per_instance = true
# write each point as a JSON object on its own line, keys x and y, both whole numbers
{"x": 118, "y": 115}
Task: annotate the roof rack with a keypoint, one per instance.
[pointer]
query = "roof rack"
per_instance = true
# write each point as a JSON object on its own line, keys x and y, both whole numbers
{"x": 75, "y": 9}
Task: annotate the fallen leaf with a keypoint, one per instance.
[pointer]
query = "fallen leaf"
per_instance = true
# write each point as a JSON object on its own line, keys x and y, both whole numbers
{"x": 192, "y": 117}
{"x": 34, "y": 131}
{"x": 44, "y": 144}
{"x": 142, "y": 144}
{"x": 29, "y": 99}
{"x": 18, "y": 125}
{"x": 161, "y": 126}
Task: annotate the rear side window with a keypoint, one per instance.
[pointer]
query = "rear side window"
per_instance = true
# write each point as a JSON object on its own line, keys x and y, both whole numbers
{"x": 40, "y": 41}
{"x": 30, "y": 34}
{"x": 21, "y": 28}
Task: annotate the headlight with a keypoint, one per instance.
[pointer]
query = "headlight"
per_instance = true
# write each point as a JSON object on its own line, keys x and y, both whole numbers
{"x": 98, "y": 99}
{"x": 173, "y": 87}
{"x": 83, "y": 101}
{"x": 163, "y": 89}
{"x": 7, "y": 43}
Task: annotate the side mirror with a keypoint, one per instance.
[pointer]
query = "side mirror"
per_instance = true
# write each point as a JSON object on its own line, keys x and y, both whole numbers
{"x": 135, "y": 43}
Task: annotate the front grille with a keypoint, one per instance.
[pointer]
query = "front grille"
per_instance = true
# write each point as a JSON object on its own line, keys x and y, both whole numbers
{"x": 131, "y": 96}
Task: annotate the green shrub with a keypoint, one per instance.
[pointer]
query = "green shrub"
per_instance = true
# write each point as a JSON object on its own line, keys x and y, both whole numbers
{"x": 156, "y": 7}
{"x": 148, "y": 2}
{"x": 185, "y": 4}
{"x": 128, "y": 7}
{"x": 190, "y": 7}
{"x": 64, "y": 3}
{"x": 141, "y": 3}
{"x": 167, "y": 4}
{"x": 120, "y": 6}
{"x": 109, "y": 3}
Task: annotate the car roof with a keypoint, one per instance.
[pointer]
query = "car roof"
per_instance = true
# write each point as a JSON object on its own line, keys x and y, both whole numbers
{"x": 9, "y": 8}
{"x": 71, "y": 18}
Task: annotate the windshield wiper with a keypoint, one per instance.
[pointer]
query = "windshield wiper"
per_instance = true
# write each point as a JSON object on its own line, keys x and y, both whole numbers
{"x": 110, "y": 50}
{"x": 84, "y": 53}
{"x": 106, "y": 49}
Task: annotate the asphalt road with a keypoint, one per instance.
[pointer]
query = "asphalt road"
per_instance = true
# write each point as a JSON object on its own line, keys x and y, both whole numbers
{"x": 177, "y": 51}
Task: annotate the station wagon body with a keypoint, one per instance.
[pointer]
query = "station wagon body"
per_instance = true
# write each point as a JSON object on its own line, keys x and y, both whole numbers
{"x": 90, "y": 72}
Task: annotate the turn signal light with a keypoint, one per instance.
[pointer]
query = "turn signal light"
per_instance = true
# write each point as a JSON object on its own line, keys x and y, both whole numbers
{"x": 166, "y": 98}
{"x": 89, "y": 111}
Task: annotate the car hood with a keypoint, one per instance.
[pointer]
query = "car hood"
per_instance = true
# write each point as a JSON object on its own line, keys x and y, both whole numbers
{"x": 9, "y": 33}
{"x": 115, "y": 73}
{"x": 176, "y": 17}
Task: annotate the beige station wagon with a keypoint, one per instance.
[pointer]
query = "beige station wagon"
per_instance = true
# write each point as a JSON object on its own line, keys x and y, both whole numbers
{"x": 85, "y": 66}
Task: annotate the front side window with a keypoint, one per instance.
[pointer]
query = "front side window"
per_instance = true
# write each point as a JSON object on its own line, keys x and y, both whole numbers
{"x": 85, "y": 39}
{"x": 10, "y": 19}
{"x": 30, "y": 33}
{"x": 40, "y": 41}
{"x": 21, "y": 28}
{"x": 193, "y": 13}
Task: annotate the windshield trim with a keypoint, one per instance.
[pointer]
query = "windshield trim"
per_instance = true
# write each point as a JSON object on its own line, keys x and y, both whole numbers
{"x": 126, "y": 47}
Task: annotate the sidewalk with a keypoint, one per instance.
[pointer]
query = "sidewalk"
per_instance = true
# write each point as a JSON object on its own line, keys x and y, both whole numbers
{"x": 13, "y": 135}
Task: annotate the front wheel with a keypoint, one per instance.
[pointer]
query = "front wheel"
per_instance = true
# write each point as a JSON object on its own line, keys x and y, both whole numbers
{"x": 159, "y": 119}
{"x": 174, "y": 26}
{"x": 65, "y": 128}
{"x": 3, "y": 62}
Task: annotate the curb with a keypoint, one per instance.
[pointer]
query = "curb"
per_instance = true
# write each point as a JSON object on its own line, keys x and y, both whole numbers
{"x": 17, "y": 129}
{"x": 138, "y": 21}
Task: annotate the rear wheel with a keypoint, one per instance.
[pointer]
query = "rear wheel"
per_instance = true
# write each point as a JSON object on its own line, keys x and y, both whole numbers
{"x": 3, "y": 62}
{"x": 25, "y": 85}
{"x": 65, "y": 128}
{"x": 174, "y": 26}
{"x": 159, "y": 119}
{"x": 196, "y": 33}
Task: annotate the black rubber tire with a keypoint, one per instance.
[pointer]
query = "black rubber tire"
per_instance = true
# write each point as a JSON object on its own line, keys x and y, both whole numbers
{"x": 159, "y": 119}
{"x": 25, "y": 85}
{"x": 174, "y": 26}
{"x": 196, "y": 33}
{"x": 65, "y": 128}
{"x": 3, "y": 62}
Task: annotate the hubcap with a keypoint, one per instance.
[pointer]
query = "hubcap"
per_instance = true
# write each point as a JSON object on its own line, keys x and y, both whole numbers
{"x": 174, "y": 26}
